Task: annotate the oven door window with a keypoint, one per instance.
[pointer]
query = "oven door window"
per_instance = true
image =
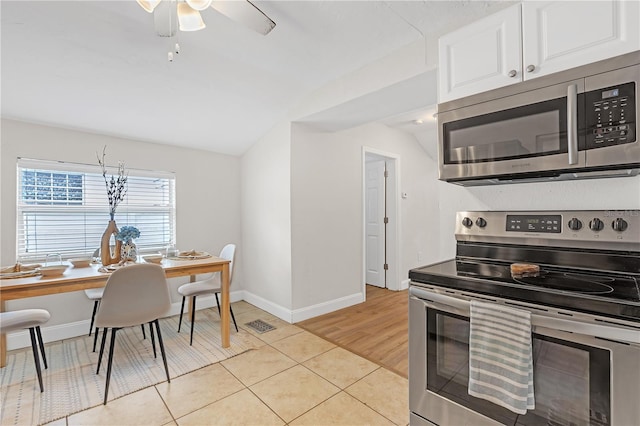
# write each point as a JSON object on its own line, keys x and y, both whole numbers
{"x": 528, "y": 131}
{"x": 571, "y": 380}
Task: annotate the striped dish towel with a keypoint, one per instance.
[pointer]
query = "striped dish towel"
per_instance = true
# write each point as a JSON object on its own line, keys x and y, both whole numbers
{"x": 500, "y": 361}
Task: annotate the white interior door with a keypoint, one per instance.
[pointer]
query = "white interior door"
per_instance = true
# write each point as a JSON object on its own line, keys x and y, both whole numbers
{"x": 375, "y": 226}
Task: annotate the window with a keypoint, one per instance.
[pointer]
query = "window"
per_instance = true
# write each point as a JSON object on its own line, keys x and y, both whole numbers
{"x": 63, "y": 208}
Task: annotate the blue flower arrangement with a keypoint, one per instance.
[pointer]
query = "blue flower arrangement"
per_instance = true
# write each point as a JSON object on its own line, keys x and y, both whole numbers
{"x": 127, "y": 233}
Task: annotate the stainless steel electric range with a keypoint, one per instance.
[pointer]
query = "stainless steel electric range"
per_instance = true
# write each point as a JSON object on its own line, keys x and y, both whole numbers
{"x": 585, "y": 305}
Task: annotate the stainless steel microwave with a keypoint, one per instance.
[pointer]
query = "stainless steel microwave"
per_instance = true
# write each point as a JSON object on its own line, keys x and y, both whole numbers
{"x": 574, "y": 124}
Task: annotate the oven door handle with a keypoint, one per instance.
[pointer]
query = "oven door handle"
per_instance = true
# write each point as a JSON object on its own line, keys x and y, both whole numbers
{"x": 461, "y": 306}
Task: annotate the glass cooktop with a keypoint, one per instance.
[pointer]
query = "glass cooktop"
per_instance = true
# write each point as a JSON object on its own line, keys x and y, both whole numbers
{"x": 611, "y": 294}
{"x": 607, "y": 285}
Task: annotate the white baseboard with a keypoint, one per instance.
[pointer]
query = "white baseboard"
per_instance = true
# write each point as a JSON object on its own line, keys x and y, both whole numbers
{"x": 302, "y": 314}
{"x": 266, "y": 305}
{"x": 66, "y": 331}
{"x": 404, "y": 284}
{"x": 21, "y": 339}
{"x": 52, "y": 333}
{"x": 325, "y": 307}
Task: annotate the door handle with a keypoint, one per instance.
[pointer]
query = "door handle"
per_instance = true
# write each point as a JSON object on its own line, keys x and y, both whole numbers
{"x": 462, "y": 306}
{"x": 572, "y": 123}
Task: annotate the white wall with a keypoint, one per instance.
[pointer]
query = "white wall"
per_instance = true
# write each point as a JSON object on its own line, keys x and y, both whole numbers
{"x": 266, "y": 222}
{"x": 397, "y": 67}
{"x": 327, "y": 215}
{"x": 267, "y": 187}
{"x": 207, "y": 197}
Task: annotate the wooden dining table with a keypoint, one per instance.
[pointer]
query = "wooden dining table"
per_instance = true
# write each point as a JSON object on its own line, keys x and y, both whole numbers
{"x": 76, "y": 279}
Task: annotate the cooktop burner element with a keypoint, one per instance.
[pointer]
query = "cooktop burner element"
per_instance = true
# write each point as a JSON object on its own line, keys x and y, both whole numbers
{"x": 593, "y": 268}
{"x": 569, "y": 282}
{"x": 572, "y": 282}
{"x": 583, "y": 284}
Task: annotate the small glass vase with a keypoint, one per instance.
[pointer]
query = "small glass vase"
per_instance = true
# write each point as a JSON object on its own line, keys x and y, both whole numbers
{"x": 128, "y": 251}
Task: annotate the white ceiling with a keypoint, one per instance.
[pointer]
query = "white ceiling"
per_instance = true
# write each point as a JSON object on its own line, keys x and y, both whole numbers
{"x": 99, "y": 66}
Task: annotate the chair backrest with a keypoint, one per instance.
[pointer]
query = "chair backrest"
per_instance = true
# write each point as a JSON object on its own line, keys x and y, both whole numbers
{"x": 228, "y": 252}
{"x": 134, "y": 295}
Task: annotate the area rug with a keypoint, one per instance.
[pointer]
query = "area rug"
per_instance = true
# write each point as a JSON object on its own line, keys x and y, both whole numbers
{"x": 71, "y": 383}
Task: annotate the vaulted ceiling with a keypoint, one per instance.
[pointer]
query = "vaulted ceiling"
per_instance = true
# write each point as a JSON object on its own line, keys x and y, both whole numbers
{"x": 99, "y": 66}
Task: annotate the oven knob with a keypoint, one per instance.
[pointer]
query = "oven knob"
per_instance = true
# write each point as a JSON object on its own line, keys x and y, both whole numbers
{"x": 481, "y": 222}
{"x": 467, "y": 223}
{"x": 575, "y": 224}
{"x": 596, "y": 225}
{"x": 619, "y": 224}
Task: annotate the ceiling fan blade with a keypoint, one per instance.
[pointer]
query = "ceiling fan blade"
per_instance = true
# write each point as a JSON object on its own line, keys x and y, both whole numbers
{"x": 245, "y": 13}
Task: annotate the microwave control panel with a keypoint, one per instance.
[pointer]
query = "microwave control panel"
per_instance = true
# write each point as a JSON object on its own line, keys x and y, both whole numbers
{"x": 611, "y": 116}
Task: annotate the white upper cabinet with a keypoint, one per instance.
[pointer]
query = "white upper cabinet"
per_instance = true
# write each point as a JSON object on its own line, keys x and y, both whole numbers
{"x": 558, "y": 35}
{"x": 533, "y": 39}
{"x": 481, "y": 56}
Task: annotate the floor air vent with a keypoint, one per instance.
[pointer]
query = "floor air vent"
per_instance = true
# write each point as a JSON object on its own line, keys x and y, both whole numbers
{"x": 260, "y": 326}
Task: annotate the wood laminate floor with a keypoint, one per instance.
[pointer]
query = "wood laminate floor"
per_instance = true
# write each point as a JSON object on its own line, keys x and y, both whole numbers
{"x": 376, "y": 329}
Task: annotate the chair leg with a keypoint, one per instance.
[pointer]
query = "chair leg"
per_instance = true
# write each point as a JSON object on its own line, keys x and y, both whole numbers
{"x": 104, "y": 340}
{"x": 181, "y": 311}
{"x": 44, "y": 356}
{"x": 164, "y": 356}
{"x": 109, "y": 363}
{"x": 95, "y": 338}
{"x": 233, "y": 317}
{"x": 32, "y": 333}
{"x": 218, "y": 303}
{"x": 93, "y": 316}
{"x": 193, "y": 318}
{"x": 230, "y": 309}
{"x": 153, "y": 340}
{"x": 144, "y": 335}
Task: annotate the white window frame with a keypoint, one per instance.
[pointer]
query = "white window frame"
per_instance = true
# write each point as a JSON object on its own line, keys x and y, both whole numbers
{"x": 74, "y": 228}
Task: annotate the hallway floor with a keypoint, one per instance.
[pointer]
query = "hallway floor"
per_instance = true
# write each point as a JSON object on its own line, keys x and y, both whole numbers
{"x": 377, "y": 329}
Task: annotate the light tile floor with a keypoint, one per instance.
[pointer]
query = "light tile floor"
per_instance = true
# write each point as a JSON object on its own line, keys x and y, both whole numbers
{"x": 295, "y": 378}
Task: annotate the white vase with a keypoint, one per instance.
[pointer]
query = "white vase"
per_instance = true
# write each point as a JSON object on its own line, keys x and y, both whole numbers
{"x": 129, "y": 251}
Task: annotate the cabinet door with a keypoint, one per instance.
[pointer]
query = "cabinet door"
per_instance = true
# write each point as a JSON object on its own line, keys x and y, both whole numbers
{"x": 481, "y": 56}
{"x": 559, "y": 35}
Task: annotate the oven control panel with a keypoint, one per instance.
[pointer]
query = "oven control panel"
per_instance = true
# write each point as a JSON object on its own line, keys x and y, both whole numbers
{"x": 534, "y": 223}
{"x": 602, "y": 229}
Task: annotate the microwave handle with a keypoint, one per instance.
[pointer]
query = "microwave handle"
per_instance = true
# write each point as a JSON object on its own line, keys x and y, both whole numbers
{"x": 572, "y": 123}
{"x": 462, "y": 307}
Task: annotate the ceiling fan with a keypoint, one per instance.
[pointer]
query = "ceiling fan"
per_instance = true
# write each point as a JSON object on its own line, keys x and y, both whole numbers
{"x": 187, "y": 14}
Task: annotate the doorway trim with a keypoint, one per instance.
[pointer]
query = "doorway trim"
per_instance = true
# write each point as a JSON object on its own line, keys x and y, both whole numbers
{"x": 393, "y": 212}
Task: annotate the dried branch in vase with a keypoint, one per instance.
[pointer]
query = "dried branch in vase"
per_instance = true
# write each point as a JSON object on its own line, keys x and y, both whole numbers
{"x": 116, "y": 186}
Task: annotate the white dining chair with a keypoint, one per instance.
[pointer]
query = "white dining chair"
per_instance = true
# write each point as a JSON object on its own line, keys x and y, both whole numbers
{"x": 210, "y": 285}
{"x": 30, "y": 319}
{"x": 135, "y": 294}
{"x": 95, "y": 294}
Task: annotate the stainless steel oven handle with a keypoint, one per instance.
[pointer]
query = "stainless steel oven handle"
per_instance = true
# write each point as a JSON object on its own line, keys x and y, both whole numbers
{"x": 572, "y": 123}
{"x": 621, "y": 334}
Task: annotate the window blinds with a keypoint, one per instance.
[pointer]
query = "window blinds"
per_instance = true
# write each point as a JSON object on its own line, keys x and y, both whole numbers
{"x": 63, "y": 208}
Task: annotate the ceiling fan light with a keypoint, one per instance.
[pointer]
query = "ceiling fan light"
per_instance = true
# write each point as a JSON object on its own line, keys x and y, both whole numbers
{"x": 189, "y": 19}
{"x": 199, "y": 4}
{"x": 148, "y": 5}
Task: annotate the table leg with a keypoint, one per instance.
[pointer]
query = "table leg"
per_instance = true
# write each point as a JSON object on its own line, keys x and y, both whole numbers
{"x": 224, "y": 309}
{"x": 3, "y": 343}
